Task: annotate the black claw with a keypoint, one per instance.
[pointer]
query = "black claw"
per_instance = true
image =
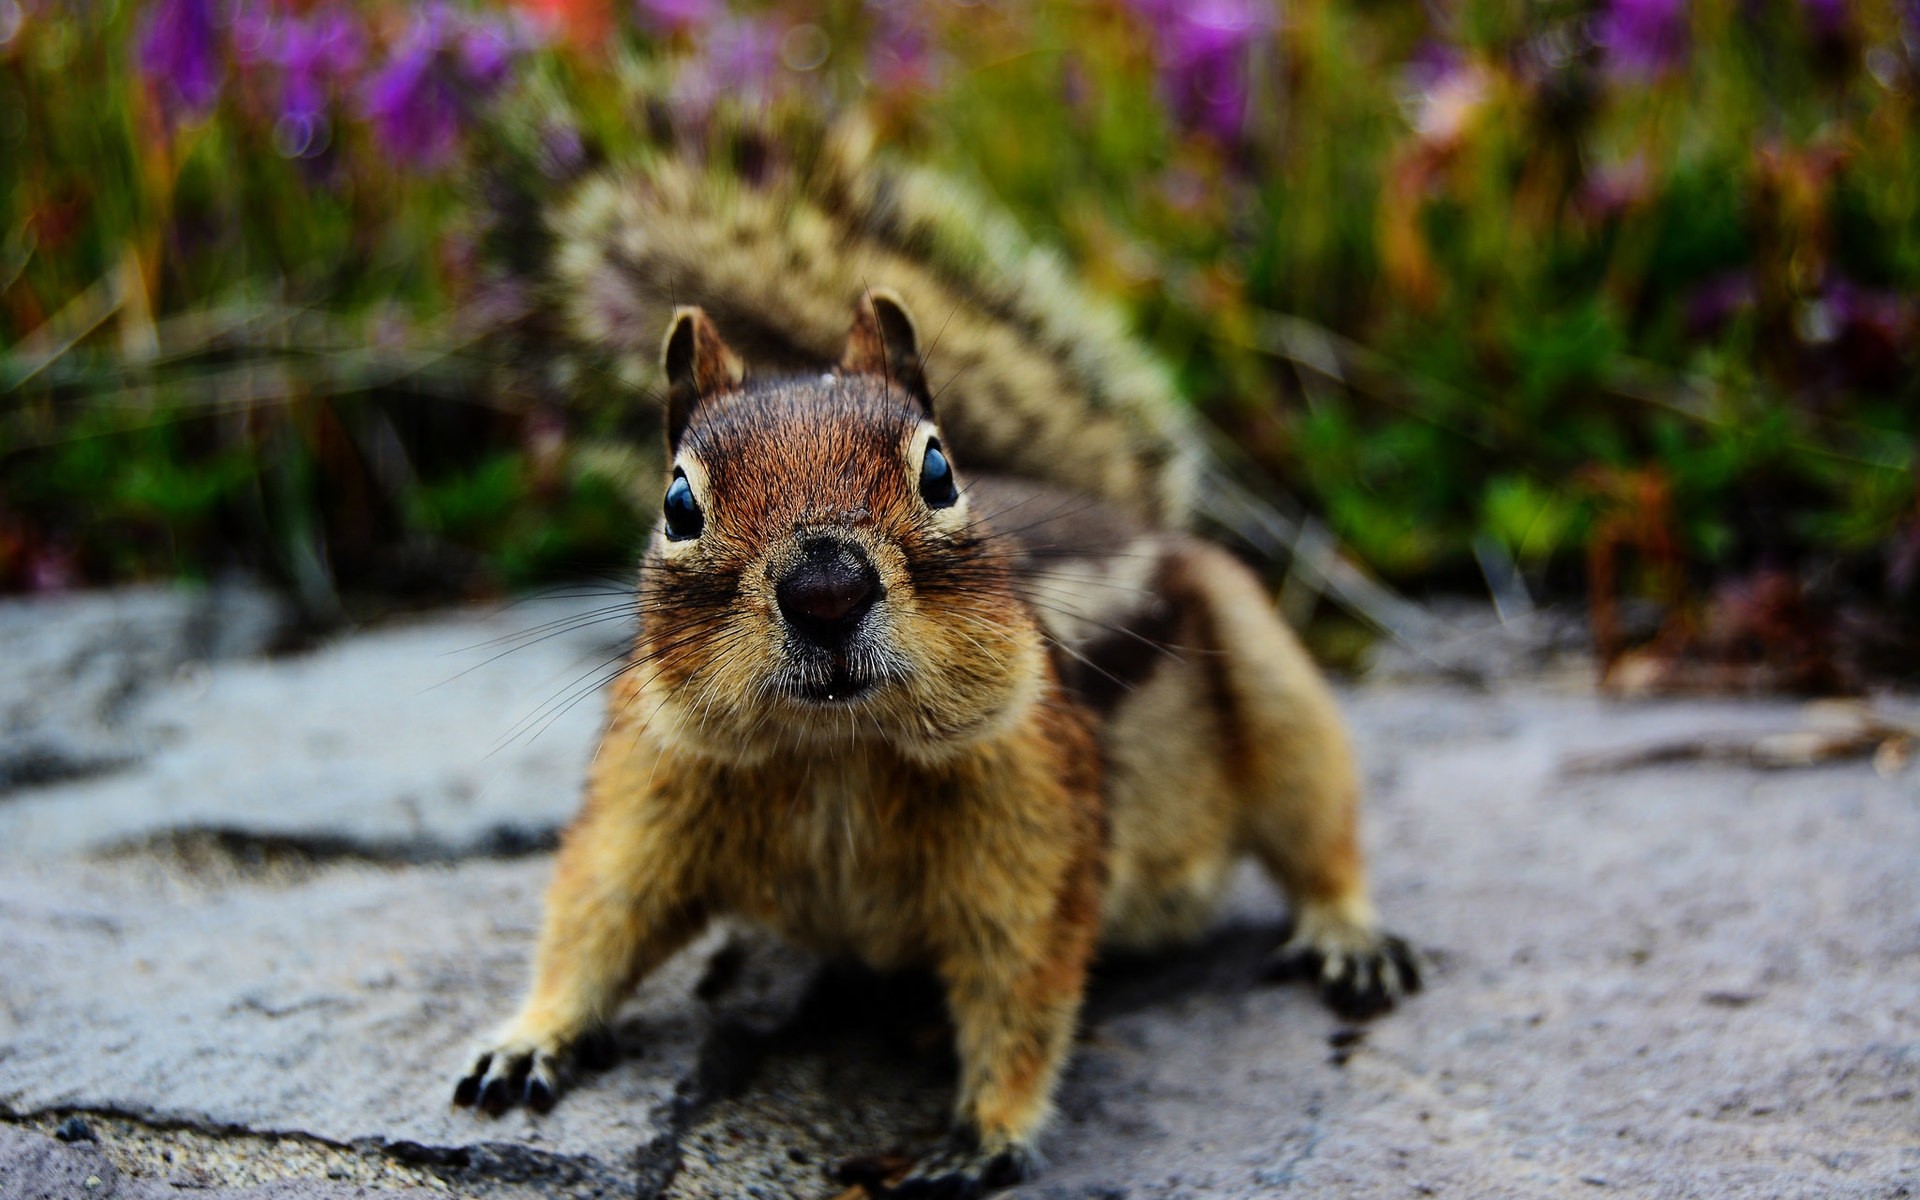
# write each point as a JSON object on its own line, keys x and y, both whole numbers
{"x": 1408, "y": 962}
{"x": 1356, "y": 1003}
{"x": 496, "y": 1097}
{"x": 539, "y": 1095}
{"x": 1364, "y": 986}
{"x": 466, "y": 1091}
{"x": 1010, "y": 1167}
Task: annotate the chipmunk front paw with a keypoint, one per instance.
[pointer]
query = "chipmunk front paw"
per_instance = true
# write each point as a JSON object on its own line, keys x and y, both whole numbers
{"x": 1361, "y": 971}
{"x": 524, "y": 1068}
{"x": 960, "y": 1170}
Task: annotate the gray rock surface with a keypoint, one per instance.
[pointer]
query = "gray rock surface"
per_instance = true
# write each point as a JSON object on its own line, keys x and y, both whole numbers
{"x": 77, "y": 669}
{"x": 425, "y": 740}
{"x": 253, "y": 963}
{"x": 1686, "y": 980}
{"x": 338, "y": 1008}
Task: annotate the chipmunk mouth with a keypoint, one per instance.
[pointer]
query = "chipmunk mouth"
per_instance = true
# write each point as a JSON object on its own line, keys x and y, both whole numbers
{"x": 834, "y": 679}
{"x": 841, "y": 690}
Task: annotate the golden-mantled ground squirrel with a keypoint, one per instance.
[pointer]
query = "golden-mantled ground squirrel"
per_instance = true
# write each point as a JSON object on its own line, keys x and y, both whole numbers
{"x": 900, "y": 708}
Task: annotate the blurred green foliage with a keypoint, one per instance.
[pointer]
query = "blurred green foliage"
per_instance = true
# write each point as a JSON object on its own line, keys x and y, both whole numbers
{"x": 1600, "y": 285}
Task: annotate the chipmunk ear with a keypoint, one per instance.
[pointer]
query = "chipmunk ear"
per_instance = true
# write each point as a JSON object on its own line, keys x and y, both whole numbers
{"x": 885, "y": 342}
{"x": 698, "y": 363}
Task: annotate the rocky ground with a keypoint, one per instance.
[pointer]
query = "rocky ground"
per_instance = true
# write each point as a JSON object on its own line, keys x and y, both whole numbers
{"x": 255, "y": 907}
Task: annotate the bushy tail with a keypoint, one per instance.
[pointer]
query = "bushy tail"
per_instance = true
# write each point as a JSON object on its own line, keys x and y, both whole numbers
{"x": 776, "y": 231}
{"x": 776, "y": 224}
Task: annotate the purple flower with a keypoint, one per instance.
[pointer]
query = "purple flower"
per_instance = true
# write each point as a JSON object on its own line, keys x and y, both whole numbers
{"x": 1206, "y": 49}
{"x": 1430, "y": 62}
{"x": 180, "y": 55}
{"x": 422, "y": 100}
{"x": 415, "y": 109}
{"x": 1642, "y": 38}
{"x": 486, "y": 55}
{"x": 412, "y": 100}
{"x": 315, "y": 56}
{"x": 664, "y": 18}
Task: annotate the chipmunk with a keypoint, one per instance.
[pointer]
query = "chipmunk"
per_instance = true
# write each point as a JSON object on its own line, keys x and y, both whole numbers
{"x": 897, "y": 702}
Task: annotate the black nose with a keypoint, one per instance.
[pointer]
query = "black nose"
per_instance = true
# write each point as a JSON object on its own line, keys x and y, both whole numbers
{"x": 826, "y": 594}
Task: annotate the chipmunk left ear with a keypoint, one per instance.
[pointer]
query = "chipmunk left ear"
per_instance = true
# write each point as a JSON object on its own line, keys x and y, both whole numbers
{"x": 885, "y": 342}
{"x": 698, "y": 363}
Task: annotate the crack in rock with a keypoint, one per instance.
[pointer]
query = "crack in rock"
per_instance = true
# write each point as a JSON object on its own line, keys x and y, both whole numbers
{"x": 242, "y": 854}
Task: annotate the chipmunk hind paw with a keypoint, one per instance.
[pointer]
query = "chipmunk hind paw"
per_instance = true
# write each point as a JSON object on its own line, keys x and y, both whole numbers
{"x": 1360, "y": 971}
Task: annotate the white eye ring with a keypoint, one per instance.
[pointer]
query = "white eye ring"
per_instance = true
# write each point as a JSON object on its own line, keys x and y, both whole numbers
{"x": 926, "y": 437}
{"x": 688, "y": 470}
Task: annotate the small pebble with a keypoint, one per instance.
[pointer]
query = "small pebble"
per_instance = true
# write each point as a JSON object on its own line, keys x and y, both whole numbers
{"x": 73, "y": 1129}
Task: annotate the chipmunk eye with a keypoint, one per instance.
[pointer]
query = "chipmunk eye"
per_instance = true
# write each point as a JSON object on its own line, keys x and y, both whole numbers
{"x": 936, "y": 477}
{"x": 684, "y": 519}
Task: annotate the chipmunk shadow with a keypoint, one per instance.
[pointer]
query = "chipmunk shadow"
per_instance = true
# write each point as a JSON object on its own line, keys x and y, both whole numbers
{"x": 853, "y": 1064}
{"x": 896, "y": 1024}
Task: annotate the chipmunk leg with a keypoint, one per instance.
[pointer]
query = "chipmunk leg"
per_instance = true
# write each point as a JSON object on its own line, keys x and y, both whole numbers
{"x": 1014, "y": 994}
{"x": 614, "y": 912}
{"x": 1298, "y": 788}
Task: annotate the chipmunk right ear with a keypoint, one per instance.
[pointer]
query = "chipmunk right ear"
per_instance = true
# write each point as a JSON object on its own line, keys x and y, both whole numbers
{"x": 698, "y": 363}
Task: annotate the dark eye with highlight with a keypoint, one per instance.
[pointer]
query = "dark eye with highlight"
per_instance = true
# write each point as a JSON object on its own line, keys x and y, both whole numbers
{"x": 936, "y": 477}
{"x": 684, "y": 519}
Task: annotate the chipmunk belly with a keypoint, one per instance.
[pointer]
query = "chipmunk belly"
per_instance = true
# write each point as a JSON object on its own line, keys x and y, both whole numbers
{"x": 870, "y": 855}
{"x": 831, "y": 874}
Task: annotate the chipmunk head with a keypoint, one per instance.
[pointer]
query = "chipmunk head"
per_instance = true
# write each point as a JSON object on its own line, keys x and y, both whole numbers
{"x": 817, "y": 575}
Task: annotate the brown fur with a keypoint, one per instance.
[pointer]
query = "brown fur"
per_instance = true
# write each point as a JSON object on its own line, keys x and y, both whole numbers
{"x": 1053, "y": 728}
